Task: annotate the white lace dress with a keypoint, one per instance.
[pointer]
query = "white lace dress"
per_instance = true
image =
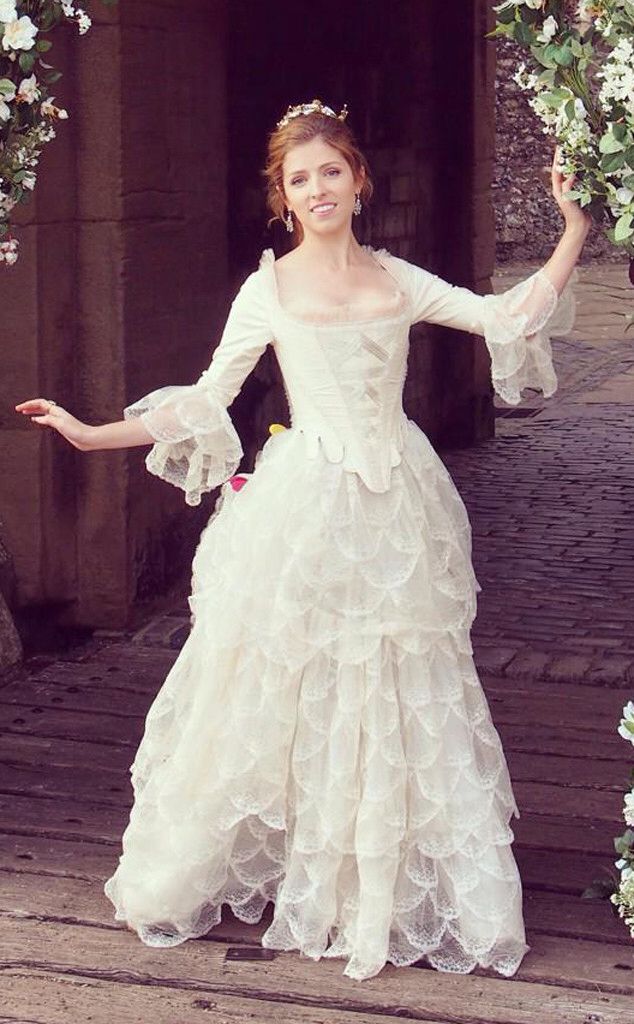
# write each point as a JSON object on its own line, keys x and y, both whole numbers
{"x": 323, "y": 740}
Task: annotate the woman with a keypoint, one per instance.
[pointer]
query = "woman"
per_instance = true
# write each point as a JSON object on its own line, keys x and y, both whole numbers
{"x": 323, "y": 740}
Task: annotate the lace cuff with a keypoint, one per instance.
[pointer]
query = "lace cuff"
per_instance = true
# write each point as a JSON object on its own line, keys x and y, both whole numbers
{"x": 518, "y": 325}
{"x": 196, "y": 445}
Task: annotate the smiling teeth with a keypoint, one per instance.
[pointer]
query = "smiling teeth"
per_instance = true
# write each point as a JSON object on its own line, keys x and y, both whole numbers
{"x": 324, "y": 206}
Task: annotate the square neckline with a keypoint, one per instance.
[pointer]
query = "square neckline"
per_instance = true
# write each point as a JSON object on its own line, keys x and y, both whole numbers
{"x": 341, "y": 323}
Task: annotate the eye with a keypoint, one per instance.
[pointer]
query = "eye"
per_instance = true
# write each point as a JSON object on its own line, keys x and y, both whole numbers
{"x": 333, "y": 170}
{"x": 296, "y": 181}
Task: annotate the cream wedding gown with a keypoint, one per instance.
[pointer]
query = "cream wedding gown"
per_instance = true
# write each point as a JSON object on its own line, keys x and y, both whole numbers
{"x": 323, "y": 740}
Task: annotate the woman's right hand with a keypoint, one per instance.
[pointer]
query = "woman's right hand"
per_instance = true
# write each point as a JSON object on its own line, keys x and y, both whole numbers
{"x": 41, "y": 411}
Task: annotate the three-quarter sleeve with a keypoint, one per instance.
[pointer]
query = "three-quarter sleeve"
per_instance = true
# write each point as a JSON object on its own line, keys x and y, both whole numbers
{"x": 516, "y": 324}
{"x": 196, "y": 444}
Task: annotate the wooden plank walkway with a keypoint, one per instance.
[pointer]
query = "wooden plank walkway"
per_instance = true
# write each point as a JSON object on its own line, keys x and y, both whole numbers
{"x": 68, "y": 734}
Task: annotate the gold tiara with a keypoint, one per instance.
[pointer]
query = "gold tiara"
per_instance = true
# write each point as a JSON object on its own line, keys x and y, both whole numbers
{"x": 316, "y": 107}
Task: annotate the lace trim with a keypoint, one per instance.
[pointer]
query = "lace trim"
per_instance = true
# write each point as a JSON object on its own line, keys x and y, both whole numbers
{"x": 196, "y": 444}
{"x": 518, "y": 325}
{"x": 315, "y": 317}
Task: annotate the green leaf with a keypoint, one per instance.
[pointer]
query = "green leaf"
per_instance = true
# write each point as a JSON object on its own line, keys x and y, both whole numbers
{"x": 26, "y": 60}
{"x": 608, "y": 144}
{"x": 47, "y": 19}
{"x": 524, "y": 34}
{"x": 628, "y": 181}
{"x": 623, "y": 228}
{"x": 619, "y": 132}
{"x": 542, "y": 57}
{"x": 6, "y": 86}
{"x": 52, "y": 76}
{"x": 612, "y": 162}
{"x": 563, "y": 56}
{"x": 576, "y": 48}
{"x": 553, "y": 99}
{"x": 43, "y": 45}
{"x": 569, "y": 108}
{"x": 622, "y": 843}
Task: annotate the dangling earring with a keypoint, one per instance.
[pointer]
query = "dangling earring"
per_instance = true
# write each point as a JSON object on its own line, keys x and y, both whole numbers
{"x": 288, "y": 220}
{"x": 357, "y": 203}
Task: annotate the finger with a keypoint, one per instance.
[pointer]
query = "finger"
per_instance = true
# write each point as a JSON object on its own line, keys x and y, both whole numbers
{"x": 32, "y": 403}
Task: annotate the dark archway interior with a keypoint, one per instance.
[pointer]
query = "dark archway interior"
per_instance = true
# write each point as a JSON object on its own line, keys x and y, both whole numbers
{"x": 350, "y": 53}
{"x": 406, "y": 72}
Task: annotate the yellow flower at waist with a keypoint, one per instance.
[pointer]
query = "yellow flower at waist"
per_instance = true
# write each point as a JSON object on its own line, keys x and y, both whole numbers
{"x": 276, "y": 428}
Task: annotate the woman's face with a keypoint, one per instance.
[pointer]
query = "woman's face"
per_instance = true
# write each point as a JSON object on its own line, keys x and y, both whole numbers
{"x": 319, "y": 186}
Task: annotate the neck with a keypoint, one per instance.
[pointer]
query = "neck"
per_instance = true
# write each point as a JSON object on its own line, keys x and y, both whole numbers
{"x": 334, "y": 252}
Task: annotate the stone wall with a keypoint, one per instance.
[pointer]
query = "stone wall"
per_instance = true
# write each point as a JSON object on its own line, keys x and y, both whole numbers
{"x": 528, "y": 222}
{"x": 121, "y": 288}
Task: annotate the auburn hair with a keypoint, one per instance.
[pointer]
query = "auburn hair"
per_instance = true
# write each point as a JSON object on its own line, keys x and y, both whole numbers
{"x": 301, "y": 129}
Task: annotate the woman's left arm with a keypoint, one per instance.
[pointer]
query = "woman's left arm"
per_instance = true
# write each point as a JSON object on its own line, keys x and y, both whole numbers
{"x": 517, "y": 323}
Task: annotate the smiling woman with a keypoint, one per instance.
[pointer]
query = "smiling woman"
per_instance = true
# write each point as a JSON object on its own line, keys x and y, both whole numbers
{"x": 323, "y": 741}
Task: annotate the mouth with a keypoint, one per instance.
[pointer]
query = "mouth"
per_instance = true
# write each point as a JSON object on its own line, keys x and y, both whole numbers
{"x": 323, "y": 208}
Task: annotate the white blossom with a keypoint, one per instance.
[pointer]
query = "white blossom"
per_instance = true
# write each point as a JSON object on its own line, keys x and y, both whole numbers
{"x": 49, "y": 109}
{"x": 8, "y": 10}
{"x": 28, "y": 90}
{"x": 618, "y": 77}
{"x": 534, "y": 4}
{"x": 9, "y": 251}
{"x": 28, "y": 181}
{"x": 628, "y": 810}
{"x": 580, "y": 110}
{"x": 19, "y": 34}
{"x": 628, "y": 716}
{"x": 527, "y": 79}
{"x": 549, "y": 29}
{"x": 6, "y": 95}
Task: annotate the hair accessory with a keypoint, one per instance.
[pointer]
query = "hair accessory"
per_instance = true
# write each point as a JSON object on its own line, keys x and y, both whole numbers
{"x": 316, "y": 107}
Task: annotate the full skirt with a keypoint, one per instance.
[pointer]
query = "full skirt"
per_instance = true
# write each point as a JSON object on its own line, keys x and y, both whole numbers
{"x": 323, "y": 741}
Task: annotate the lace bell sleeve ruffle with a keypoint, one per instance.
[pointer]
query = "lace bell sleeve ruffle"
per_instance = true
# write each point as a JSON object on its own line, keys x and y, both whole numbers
{"x": 516, "y": 324}
{"x": 196, "y": 446}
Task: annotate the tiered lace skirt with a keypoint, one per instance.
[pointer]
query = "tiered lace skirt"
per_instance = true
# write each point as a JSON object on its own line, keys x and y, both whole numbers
{"x": 323, "y": 740}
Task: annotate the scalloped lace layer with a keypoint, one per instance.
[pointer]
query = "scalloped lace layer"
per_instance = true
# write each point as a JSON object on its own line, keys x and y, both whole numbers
{"x": 323, "y": 740}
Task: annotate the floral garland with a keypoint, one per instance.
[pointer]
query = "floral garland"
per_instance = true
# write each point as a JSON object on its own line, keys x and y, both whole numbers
{"x": 27, "y": 112}
{"x": 623, "y": 895}
{"x": 581, "y": 75}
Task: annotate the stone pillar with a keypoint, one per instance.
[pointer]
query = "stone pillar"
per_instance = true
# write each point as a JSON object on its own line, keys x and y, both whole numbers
{"x": 120, "y": 289}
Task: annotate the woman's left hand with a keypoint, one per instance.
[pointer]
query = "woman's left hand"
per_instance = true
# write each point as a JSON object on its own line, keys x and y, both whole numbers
{"x": 573, "y": 214}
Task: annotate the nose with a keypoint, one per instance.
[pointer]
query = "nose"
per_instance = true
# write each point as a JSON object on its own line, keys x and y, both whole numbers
{"x": 316, "y": 189}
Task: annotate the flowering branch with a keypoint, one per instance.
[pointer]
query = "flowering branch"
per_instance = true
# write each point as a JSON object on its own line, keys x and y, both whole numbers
{"x": 27, "y": 112}
{"x": 580, "y": 71}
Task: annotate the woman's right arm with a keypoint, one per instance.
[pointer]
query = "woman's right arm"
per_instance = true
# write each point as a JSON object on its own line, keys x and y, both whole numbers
{"x": 87, "y": 438}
